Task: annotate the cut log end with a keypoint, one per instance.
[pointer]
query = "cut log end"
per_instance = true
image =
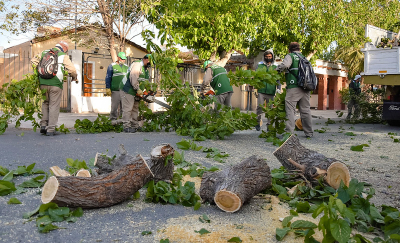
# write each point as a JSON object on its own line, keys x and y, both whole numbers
{"x": 336, "y": 173}
{"x": 227, "y": 201}
{"x": 83, "y": 173}
{"x": 57, "y": 171}
{"x": 49, "y": 189}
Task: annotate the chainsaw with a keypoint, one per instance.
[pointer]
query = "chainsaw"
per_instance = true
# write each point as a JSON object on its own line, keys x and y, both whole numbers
{"x": 209, "y": 93}
{"x": 150, "y": 97}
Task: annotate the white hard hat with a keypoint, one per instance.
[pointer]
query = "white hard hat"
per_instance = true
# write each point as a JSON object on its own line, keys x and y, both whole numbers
{"x": 357, "y": 77}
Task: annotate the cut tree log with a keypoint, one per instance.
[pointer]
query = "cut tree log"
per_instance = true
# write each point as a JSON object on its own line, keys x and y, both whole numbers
{"x": 100, "y": 191}
{"x": 235, "y": 185}
{"x": 294, "y": 156}
{"x": 83, "y": 173}
{"x": 57, "y": 171}
{"x": 160, "y": 162}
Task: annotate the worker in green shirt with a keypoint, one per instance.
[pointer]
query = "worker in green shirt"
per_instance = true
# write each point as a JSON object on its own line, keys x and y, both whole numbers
{"x": 117, "y": 74}
{"x": 266, "y": 93}
{"x": 217, "y": 77}
{"x": 295, "y": 95}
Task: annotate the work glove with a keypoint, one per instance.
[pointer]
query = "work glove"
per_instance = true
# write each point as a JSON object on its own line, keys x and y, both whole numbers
{"x": 139, "y": 92}
{"x": 279, "y": 91}
{"x": 108, "y": 92}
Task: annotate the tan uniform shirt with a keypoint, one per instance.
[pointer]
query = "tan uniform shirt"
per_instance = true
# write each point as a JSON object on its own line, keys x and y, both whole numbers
{"x": 135, "y": 71}
{"x": 207, "y": 78}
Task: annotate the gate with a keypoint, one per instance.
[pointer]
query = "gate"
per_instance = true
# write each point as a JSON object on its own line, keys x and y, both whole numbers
{"x": 94, "y": 70}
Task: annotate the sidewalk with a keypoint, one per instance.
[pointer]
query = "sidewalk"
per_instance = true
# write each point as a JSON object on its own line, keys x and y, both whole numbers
{"x": 68, "y": 119}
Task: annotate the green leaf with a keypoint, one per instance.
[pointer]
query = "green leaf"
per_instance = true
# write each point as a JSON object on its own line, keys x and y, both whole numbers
{"x": 77, "y": 212}
{"x": 30, "y": 167}
{"x": 303, "y": 224}
{"x": 58, "y": 214}
{"x": 350, "y": 134}
{"x": 3, "y": 171}
{"x": 286, "y": 221}
{"x": 33, "y": 183}
{"x": 9, "y": 176}
{"x": 340, "y": 230}
{"x": 204, "y": 219}
{"x": 280, "y": 233}
{"x": 202, "y": 231}
{"x": 14, "y": 200}
{"x": 235, "y": 239}
{"x": 6, "y": 187}
{"x": 303, "y": 207}
{"x": 47, "y": 228}
{"x": 164, "y": 241}
{"x": 358, "y": 148}
{"x": 136, "y": 195}
{"x": 31, "y": 213}
{"x": 70, "y": 162}
{"x": 42, "y": 221}
{"x": 184, "y": 144}
{"x": 146, "y": 233}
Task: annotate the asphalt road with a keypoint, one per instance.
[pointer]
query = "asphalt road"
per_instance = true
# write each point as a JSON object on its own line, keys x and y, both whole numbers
{"x": 379, "y": 165}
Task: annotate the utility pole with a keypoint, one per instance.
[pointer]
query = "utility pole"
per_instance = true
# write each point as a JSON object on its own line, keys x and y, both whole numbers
{"x": 76, "y": 16}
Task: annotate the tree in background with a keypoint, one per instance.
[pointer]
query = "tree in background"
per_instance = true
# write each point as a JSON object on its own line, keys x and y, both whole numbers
{"x": 352, "y": 58}
{"x": 114, "y": 19}
{"x": 215, "y": 29}
{"x": 317, "y": 24}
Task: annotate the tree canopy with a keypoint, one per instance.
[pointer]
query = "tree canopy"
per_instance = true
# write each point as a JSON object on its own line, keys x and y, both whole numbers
{"x": 216, "y": 28}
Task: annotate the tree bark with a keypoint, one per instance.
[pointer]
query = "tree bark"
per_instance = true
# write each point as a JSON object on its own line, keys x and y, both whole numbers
{"x": 235, "y": 185}
{"x": 108, "y": 23}
{"x": 100, "y": 191}
{"x": 161, "y": 163}
{"x": 294, "y": 156}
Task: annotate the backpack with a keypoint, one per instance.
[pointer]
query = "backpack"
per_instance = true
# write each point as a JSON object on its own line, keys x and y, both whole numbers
{"x": 306, "y": 77}
{"x": 48, "y": 65}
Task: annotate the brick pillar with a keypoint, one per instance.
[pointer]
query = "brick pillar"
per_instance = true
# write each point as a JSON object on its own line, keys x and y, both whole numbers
{"x": 344, "y": 85}
{"x": 335, "y": 84}
{"x": 322, "y": 90}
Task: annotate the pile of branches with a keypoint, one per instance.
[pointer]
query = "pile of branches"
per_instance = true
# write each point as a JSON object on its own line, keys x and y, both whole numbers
{"x": 191, "y": 114}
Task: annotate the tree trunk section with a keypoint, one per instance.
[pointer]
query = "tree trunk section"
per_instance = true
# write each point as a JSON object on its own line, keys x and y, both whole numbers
{"x": 100, "y": 191}
{"x": 235, "y": 185}
{"x": 294, "y": 156}
{"x": 161, "y": 163}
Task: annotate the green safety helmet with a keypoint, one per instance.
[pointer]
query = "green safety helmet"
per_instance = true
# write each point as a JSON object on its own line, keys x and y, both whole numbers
{"x": 122, "y": 55}
{"x": 205, "y": 64}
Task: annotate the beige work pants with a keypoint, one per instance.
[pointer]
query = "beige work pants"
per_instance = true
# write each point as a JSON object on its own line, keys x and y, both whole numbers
{"x": 260, "y": 103}
{"x": 51, "y": 107}
{"x": 293, "y": 97}
{"x": 130, "y": 110}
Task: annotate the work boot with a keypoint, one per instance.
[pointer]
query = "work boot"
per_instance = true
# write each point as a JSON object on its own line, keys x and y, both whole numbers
{"x": 258, "y": 127}
{"x": 50, "y": 134}
{"x": 129, "y": 130}
{"x": 43, "y": 129}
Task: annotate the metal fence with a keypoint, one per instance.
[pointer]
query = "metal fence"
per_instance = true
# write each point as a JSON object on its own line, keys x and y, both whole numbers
{"x": 14, "y": 66}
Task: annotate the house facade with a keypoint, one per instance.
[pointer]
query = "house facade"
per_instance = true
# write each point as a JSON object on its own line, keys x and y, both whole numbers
{"x": 91, "y": 65}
